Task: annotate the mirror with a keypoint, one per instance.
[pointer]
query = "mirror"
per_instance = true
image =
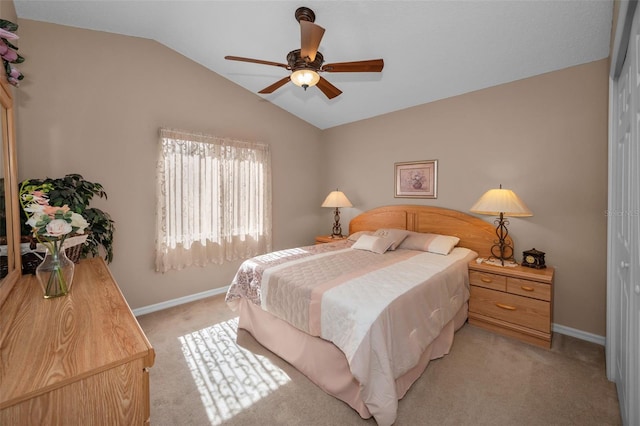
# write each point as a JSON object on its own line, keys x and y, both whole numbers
{"x": 10, "y": 259}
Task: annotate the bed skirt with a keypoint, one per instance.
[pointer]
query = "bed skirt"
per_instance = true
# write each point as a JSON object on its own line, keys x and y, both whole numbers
{"x": 323, "y": 363}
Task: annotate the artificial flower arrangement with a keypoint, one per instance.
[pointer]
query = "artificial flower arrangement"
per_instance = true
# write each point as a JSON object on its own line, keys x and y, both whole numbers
{"x": 51, "y": 226}
{"x": 8, "y": 51}
{"x": 74, "y": 191}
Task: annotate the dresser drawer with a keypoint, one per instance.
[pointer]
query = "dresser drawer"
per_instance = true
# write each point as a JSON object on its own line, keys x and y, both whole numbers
{"x": 524, "y": 311}
{"x": 528, "y": 288}
{"x": 487, "y": 280}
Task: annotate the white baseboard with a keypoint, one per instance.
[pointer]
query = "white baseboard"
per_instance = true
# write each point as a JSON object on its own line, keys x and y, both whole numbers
{"x": 579, "y": 334}
{"x": 179, "y": 301}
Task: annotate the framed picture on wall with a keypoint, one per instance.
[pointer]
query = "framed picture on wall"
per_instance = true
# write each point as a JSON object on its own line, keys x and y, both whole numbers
{"x": 416, "y": 179}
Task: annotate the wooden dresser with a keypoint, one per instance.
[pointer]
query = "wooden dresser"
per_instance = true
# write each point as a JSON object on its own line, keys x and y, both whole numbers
{"x": 514, "y": 301}
{"x": 79, "y": 359}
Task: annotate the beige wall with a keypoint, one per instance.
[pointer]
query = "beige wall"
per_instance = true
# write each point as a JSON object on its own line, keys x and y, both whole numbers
{"x": 544, "y": 137}
{"x": 8, "y": 11}
{"x": 92, "y": 102}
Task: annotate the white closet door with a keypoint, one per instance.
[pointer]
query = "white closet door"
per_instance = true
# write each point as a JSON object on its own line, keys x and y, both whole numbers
{"x": 624, "y": 228}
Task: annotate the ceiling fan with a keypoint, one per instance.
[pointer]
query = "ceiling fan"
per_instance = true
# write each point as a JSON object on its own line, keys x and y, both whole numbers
{"x": 305, "y": 63}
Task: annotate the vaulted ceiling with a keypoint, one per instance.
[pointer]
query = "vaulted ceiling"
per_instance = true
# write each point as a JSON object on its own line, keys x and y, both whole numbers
{"x": 431, "y": 49}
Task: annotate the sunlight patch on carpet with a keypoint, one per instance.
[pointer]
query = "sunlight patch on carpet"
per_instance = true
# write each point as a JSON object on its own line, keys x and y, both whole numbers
{"x": 229, "y": 377}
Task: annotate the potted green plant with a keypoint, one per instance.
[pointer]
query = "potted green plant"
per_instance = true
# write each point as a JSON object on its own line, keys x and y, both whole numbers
{"x": 76, "y": 192}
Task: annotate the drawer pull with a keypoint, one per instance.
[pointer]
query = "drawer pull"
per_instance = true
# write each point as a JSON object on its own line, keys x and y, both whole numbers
{"x": 507, "y": 307}
{"x": 486, "y": 280}
{"x": 526, "y": 288}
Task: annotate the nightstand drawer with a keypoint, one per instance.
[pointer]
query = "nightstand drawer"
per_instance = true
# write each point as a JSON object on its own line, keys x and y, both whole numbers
{"x": 524, "y": 311}
{"x": 529, "y": 288}
{"x": 487, "y": 280}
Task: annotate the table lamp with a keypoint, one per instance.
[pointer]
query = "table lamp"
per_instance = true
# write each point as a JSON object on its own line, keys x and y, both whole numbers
{"x": 336, "y": 199}
{"x": 502, "y": 202}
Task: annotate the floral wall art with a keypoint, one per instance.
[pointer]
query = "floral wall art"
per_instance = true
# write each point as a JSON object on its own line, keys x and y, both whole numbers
{"x": 416, "y": 179}
{"x": 8, "y": 51}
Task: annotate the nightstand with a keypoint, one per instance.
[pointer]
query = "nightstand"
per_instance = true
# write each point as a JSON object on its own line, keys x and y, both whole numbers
{"x": 321, "y": 239}
{"x": 513, "y": 301}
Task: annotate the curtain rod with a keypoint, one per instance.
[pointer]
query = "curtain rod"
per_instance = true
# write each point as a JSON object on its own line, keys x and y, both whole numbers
{"x": 208, "y": 136}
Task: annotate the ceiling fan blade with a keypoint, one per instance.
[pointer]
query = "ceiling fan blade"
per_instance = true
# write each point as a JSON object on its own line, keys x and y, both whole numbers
{"x": 372, "y": 65}
{"x": 329, "y": 90}
{"x": 256, "y": 61}
{"x": 275, "y": 85}
{"x": 310, "y": 35}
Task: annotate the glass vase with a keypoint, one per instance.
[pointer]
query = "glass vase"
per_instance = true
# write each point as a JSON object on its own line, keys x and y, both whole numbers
{"x": 55, "y": 273}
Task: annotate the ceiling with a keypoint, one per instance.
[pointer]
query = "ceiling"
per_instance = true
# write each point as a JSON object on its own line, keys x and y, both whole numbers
{"x": 431, "y": 49}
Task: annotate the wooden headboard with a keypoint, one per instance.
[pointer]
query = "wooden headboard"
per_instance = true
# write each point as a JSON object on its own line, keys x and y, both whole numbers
{"x": 474, "y": 233}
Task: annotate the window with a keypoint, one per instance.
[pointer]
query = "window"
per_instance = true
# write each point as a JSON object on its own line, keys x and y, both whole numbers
{"x": 214, "y": 200}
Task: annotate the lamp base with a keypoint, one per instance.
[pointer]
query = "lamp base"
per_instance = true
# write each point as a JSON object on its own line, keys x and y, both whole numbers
{"x": 502, "y": 251}
{"x": 336, "y": 232}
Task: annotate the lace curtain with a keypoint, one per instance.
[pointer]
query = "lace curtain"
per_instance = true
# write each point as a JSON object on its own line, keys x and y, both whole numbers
{"x": 214, "y": 200}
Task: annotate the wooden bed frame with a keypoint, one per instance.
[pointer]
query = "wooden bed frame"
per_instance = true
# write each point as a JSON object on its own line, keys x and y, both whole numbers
{"x": 474, "y": 233}
{"x": 321, "y": 361}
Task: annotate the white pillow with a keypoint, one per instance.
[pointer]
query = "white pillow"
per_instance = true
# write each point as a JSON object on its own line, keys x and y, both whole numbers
{"x": 433, "y": 243}
{"x": 396, "y": 235}
{"x": 356, "y": 235}
{"x": 371, "y": 243}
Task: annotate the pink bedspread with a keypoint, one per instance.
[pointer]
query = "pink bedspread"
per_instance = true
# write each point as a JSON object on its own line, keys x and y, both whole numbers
{"x": 382, "y": 311}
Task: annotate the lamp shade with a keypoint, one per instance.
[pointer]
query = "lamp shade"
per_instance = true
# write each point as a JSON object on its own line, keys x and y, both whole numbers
{"x": 336, "y": 199}
{"x": 505, "y": 201}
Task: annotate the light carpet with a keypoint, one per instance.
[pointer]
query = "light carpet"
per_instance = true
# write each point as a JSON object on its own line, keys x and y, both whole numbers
{"x": 207, "y": 372}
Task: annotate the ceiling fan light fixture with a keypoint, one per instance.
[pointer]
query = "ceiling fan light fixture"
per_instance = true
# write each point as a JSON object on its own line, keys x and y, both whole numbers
{"x": 305, "y": 63}
{"x": 305, "y": 78}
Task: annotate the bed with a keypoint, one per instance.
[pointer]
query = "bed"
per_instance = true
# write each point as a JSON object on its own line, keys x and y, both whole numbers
{"x": 363, "y": 323}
